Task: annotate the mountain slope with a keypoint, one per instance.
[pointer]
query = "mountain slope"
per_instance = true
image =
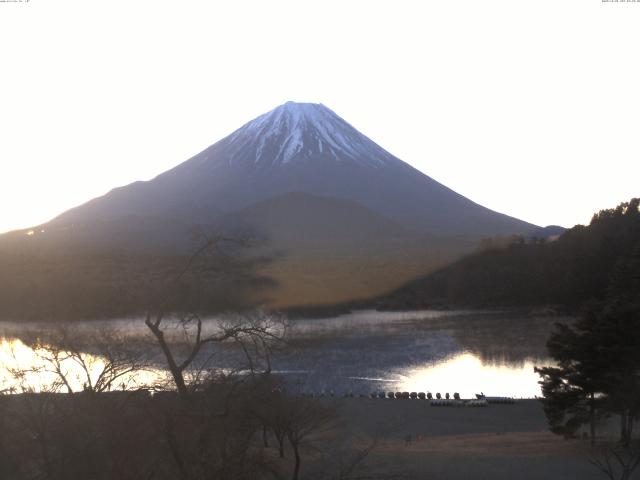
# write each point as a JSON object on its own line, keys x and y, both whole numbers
{"x": 339, "y": 217}
{"x": 305, "y": 148}
{"x": 301, "y": 221}
{"x": 329, "y": 250}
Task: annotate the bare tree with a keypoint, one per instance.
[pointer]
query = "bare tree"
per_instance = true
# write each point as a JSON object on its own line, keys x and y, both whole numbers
{"x": 63, "y": 434}
{"x": 100, "y": 362}
{"x": 254, "y": 333}
{"x": 206, "y": 431}
{"x": 271, "y": 409}
{"x": 307, "y": 418}
{"x": 616, "y": 463}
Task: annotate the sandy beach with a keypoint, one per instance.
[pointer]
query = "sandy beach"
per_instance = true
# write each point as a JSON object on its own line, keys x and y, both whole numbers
{"x": 496, "y": 442}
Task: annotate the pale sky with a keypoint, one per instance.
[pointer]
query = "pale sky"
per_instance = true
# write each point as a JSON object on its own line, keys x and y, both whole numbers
{"x": 531, "y": 108}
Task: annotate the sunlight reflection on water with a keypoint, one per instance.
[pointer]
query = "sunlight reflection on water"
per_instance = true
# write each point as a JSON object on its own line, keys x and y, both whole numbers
{"x": 363, "y": 352}
{"x": 23, "y": 369}
{"x": 464, "y": 373}
{"x": 468, "y": 375}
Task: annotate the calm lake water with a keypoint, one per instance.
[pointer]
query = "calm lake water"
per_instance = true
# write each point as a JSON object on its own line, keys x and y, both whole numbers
{"x": 430, "y": 351}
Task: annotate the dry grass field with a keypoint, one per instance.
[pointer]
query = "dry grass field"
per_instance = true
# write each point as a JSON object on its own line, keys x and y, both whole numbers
{"x": 497, "y": 442}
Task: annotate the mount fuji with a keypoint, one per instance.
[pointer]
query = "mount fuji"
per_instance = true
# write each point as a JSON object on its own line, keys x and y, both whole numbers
{"x": 298, "y": 147}
{"x": 343, "y": 217}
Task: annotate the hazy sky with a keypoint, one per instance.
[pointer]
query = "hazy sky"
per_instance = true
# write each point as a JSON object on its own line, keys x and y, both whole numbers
{"x": 531, "y": 108}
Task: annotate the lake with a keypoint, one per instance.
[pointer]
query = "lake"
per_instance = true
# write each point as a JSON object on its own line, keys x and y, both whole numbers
{"x": 362, "y": 352}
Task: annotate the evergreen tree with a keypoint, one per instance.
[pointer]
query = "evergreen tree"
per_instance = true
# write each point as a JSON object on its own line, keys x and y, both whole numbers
{"x": 572, "y": 391}
{"x": 598, "y": 359}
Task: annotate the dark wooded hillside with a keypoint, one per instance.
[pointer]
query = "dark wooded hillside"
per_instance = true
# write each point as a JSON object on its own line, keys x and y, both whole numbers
{"x": 575, "y": 268}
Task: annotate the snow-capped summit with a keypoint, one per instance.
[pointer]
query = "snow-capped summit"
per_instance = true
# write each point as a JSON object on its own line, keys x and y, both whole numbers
{"x": 341, "y": 217}
{"x": 298, "y": 132}
{"x": 298, "y": 147}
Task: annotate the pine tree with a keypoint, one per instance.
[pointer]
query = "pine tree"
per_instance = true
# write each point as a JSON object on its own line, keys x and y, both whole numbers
{"x": 598, "y": 370}
{"x": 572, "y": 390}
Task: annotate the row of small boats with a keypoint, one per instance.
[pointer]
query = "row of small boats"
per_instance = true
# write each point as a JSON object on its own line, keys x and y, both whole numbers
{"x": 459, "y": 403}
{"x": 436, "y": 400}
{"x": 481, "y": 400}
